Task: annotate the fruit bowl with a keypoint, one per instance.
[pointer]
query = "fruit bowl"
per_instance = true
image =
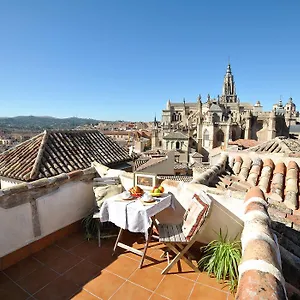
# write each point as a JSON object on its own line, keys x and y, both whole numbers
{"x": 156, "y": 194}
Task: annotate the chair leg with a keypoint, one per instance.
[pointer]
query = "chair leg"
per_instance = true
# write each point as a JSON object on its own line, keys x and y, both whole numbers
{"x": 99, "y": 233}
{"x": 146, "y": 246}
{"x": 180, "y": 255}
{"x": 117, "y": 240}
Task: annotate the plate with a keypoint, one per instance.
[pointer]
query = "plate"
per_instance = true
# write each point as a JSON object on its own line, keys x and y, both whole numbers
{"x": 156, "y": 194}
{"x": 130, "y": 198}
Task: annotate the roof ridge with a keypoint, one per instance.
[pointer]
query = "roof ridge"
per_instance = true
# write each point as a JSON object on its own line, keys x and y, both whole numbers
{"x": 18, "y": 145}
{"x": 35, "y": 169}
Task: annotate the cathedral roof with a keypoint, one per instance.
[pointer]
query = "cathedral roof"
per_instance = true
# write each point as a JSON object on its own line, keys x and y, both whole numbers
{"x": 176, "y": 136}
{"x": 215, "y": 108}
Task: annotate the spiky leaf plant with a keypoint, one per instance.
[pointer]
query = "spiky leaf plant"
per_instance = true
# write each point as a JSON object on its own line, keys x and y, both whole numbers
{"x": 90, "y": 225}
{"x": 221, "y": 258}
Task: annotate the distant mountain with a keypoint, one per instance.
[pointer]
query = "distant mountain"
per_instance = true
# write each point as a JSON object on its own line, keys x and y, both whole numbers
{"x": 41, "y": 123}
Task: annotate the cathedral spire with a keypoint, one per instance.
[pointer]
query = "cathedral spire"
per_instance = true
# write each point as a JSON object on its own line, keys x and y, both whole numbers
{"x": 229, "y": 92}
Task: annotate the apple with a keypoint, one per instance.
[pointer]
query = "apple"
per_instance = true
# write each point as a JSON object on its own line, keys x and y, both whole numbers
{"x": 157, "y": 191}
{"x": 161, "y": 188}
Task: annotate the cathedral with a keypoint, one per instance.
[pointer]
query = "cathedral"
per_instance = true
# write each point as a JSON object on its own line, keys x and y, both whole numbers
{"x": 203, "y": 125}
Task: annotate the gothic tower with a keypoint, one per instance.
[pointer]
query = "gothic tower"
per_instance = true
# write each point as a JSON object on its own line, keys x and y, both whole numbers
{"x": 229, "y": 92}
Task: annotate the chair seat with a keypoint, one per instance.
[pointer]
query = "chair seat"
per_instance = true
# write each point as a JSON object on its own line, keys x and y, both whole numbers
{"x": 171, "y": 233}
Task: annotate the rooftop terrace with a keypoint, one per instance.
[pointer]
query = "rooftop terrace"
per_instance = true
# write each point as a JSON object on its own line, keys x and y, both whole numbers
{"x": 74, "y": 268}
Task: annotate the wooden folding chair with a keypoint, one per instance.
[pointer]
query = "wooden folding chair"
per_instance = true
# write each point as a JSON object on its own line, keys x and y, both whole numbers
{"x": 180, "y": 238}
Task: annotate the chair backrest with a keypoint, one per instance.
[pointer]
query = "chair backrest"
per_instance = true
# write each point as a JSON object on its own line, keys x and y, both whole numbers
{"x": 195, "y": 214}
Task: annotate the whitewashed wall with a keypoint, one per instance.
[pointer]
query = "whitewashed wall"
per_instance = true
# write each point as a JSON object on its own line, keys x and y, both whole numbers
{"x": 16, "y": 228}
{"x": 64, "y": 206}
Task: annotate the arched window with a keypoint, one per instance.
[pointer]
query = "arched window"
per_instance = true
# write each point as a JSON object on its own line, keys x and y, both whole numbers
{"x": 177, "y": 145}
{"x": 233, "y": 135}
{"x": 206, "y": 138}
{"x": 173, "y": 117}
{"x": 219, "y": 138}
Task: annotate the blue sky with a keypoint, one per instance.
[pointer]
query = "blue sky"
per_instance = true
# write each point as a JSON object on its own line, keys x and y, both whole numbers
{"x": 124, "y": 59}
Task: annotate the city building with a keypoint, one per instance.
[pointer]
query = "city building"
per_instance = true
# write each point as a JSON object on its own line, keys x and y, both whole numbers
{"x": 201, "y": 126}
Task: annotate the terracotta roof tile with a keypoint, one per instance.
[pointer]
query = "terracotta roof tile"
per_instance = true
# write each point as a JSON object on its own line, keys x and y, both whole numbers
{"x": 260, "y": 275}
{"x": 54, "y": 152}
{"x": 280, "y": 168}
{"x": 245, "y": 143}
{"x": 151, "y": 162}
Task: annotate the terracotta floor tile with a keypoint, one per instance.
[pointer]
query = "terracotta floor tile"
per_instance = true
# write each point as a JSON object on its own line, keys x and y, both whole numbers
{"x": 37, "y": 279}
{"x": 148, "y": 278}
{"x": 60, "y": 288}
{"x": 230, "y": 296}
{"x": 48, "y": 254}
{"x": 206, "y": 280}
{"x": 3, "y": 278}
{"x": 22, "y": 268}
{"x": 83, "y": 272}
{"x": 84, "y": 295}
{"x": 204, "y": 292}
{"x": 155, "y": 259}
{"x": 63, "y": 262}
{"x": 11, "y": 291}
{"x": 85, "y": 249}
{"x": 157, "y": 297}
{"x": 182, "y": 290}
{"x": 71, "y": 241}
{"x": 104, "y": 285}
{"x": 130, "y": 291}
{"x": 186, "y": 271}
{"x": 102, "y": 257}
{"x": 132, "y": 255}
{"x": 123, "y": 266}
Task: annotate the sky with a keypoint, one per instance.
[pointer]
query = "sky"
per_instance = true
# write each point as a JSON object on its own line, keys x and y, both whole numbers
{"x": 123, "y": 60}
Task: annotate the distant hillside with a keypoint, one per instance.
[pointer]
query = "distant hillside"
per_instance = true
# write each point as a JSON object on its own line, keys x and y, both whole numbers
{"x": 41, "y": 123}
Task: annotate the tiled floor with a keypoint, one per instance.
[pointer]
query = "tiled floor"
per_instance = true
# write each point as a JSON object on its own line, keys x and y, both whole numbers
{"x": 77, "y": 269}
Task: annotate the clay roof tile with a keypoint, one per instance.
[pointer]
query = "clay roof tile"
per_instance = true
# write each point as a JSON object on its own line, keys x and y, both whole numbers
{"x": 292, "y": 165}
{"x": 254, "y": 192}
{"x": 280, "y": 168}
{"x": 238, "y": 159}
{"x": 269, "y": 163}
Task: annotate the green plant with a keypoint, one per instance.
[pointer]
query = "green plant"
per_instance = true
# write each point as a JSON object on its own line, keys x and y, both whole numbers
{"x": 221, "y": 258}
{"x": 90, "y": 225}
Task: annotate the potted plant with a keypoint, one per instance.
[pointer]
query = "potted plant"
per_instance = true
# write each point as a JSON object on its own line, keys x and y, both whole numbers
{"x": 221, "y": 258}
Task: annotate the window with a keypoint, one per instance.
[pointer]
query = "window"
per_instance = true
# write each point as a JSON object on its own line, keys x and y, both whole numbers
{"x": 206, "y": 138}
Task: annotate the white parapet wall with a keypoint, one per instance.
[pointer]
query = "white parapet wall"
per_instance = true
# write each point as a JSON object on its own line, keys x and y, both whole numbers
{"x": 30, "y": 211}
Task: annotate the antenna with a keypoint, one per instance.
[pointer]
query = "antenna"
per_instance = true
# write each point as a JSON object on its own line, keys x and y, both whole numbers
{"x": 229, "y": 59}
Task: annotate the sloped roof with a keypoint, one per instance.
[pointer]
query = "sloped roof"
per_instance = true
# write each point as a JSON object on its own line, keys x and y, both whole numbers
{"x": 245, "y": 143}
{"x": 151, "y": 162}
{"x": 140, "y": 161}
{"x": 278, "y": 145}
{"x": 215, "y": 108}
{"x": 197, "y": 155}
{"x": 183, "y": 178}
{"x": 54, "y": 152}
{"x": 176, "y": 136}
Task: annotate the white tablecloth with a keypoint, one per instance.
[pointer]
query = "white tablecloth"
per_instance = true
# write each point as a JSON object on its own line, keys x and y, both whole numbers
{"x": 131, "y": 215}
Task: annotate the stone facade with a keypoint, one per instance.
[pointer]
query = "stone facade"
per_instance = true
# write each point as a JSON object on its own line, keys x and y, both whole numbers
{"x": 213, "y": 123}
